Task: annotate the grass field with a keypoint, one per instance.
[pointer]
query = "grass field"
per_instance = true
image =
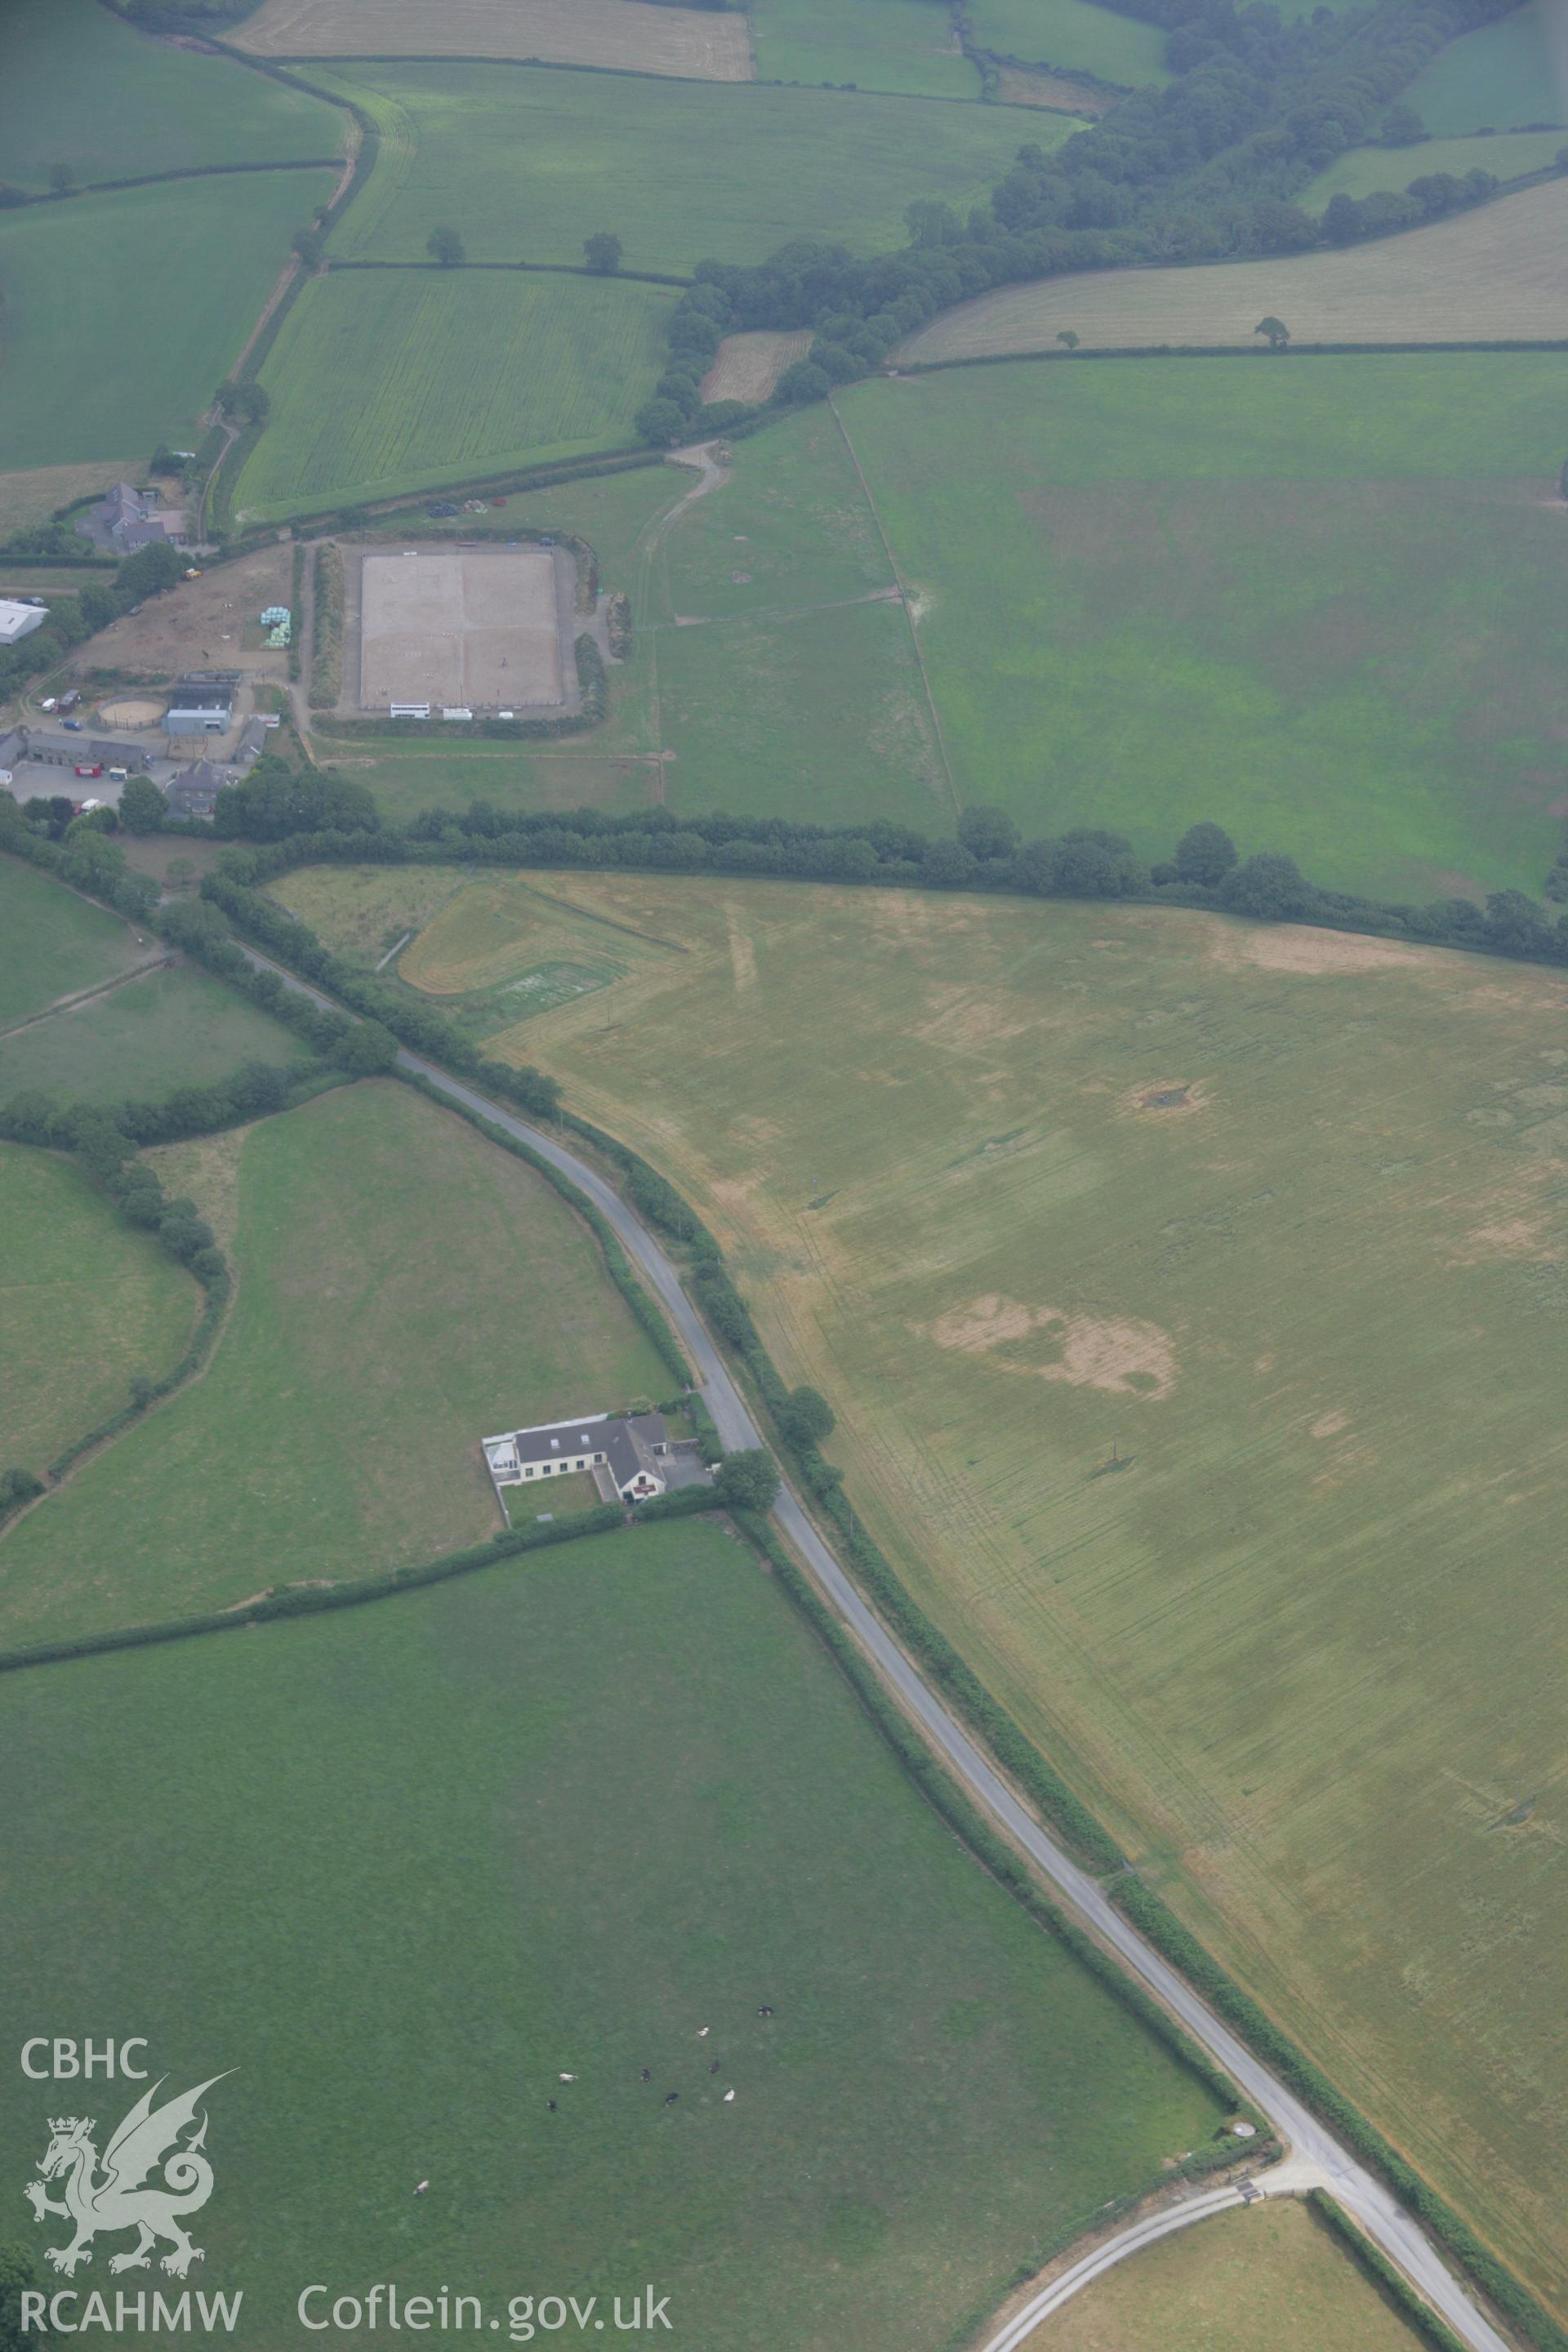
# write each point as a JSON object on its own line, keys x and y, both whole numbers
{"x": 1505, "y": 76}
{"x": 889, "y": 45}
{"x": 82, "y": 89}
{"x": 1074, "y": 36}
{"x": 1311, "y": 601}
{"x": 524, "y": 164}
{"x": 86, "y": 1302}
{"x": 817, "y": 715}
{"x": 1286, "y": 1215}
{"x": 52, "y": 943}
{"x": 1364, "y": 171}
{"x": 620, "y": 35}
{"x": 78, "y": 278}
{"x": 404, "y": 1289}
{"x": 1273, "y": 2276}
{"x": 166, "y": 1029}
{"x": 390, "y": 380}
{"x": 411, "y": 779}
{"x": 556, "y": 1817}
{"x": 1488, "y": 275}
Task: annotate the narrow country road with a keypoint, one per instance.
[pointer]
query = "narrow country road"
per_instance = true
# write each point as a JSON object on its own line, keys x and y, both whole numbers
{"x": 1291, "y": 2178}
{"x": 1321, "y": 2157}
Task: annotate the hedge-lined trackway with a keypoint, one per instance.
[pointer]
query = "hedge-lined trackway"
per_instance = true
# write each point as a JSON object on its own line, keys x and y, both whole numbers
{"x": 1358, "y": 2190}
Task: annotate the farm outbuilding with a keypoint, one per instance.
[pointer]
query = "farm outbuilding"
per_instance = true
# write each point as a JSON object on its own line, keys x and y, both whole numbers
{"x": 19, "y": 621}
{"x": 205, "y": 708}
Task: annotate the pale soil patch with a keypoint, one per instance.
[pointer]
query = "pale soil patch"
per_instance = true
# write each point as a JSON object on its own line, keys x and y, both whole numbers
{"x": 1299, "y": 948}
{"x": 1016, "y": 86}
{"x": 132, "y": 711}
{"x": 743, "y": 954}
{"x": 696, "y": 43}
{"x": 1170, "y": 1098}
{"x": 32, "y": 496}
{"x": 1119, "y": 1353}
{"x": 1329, "y": 1424}
{"x": 200, "y": 624}
{"x": 205, "y": 1170}
{"x": 1494, "y": 274}
{"x": 747, "y": 367}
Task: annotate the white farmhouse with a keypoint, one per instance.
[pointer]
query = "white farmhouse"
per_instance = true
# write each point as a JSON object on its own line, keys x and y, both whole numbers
{"x": 631, "y": 1448}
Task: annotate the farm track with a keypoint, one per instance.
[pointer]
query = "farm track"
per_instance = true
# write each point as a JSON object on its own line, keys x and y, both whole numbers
{"x": 162, "y": 962}
{"x": 1394, "y": 2231}
{"x": 904, "y": 600}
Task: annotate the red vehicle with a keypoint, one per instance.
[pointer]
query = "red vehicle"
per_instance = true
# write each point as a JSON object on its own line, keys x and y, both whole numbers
{"x": 82, "y": 769}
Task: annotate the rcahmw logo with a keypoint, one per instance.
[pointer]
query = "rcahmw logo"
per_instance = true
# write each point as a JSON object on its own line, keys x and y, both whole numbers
{"x": 153, "y": 2175}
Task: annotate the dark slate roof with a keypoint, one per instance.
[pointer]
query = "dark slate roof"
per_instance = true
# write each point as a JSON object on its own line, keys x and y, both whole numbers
{"x": 564, "y": 1440}
{"x": 628, "y": 1447}
{"x": 202, "y": 698}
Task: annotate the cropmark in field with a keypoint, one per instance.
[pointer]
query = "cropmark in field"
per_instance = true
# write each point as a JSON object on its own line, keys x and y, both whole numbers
{"x": 1282, "y": 1216}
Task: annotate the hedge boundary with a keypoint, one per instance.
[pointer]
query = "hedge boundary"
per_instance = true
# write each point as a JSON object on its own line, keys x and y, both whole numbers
{"x": 1411, "y": 2306}
{"x": 311, "y": 1600}
{"x": 727, "y": 1315}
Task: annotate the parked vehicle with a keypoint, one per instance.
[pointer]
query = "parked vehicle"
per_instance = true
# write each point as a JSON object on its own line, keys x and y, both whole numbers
{"x": 48, "y": 703}
{"x": 68, "y": 701}
{"x": 119, "y": 775}
{"x": 83, "y": 769}
{"x": 72, "y": 726}
{"x": 437, "y": 511}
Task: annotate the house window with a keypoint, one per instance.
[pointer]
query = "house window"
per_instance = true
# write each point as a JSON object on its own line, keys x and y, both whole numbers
{"x": 528, "y": 1473}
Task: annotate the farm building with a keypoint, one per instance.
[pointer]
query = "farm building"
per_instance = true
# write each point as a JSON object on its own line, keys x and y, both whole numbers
{"x": 194, "y": 791}
{"x": 69, "y": 751}
{"x": 17, "y": 621}
{"x": 631, "y": 1450}
{"x": 200, "y": 706}
{"x": 129, "y": 519}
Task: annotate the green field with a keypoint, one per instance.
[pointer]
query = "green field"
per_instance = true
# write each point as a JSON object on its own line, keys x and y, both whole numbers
{"x": 889, "y": 45}
{"x": 165, "y": 1029}
{"x": 86, "y": 1302}
{"x": 819, "y": 715}
{"x": 1274, "y": 2275}
{"x": 52, "y": 943}
{"x": 1502, "y": 77}
{"x": 559, "y": 1816}
{"x": 1312, "y": 603}
{"x": 1365, "y": 171}
{"x": 403, "y": 1290}
{"x": 410, "y": 778}
{"x": 383, "y": 380}
{"x": 81, "y": 375}
{"x": 1074, "y": 36}
{"x": 82, "y": 89}
{"x": 524, "y": 164}
{"x": 1284, "y": 1213}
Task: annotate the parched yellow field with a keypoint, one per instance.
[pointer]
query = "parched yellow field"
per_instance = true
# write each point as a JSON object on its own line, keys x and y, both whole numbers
{"x": 1282, "y": 1214}
{"x": 747, "y": 367}
{"x": 692, "y": 43}
{"x": 1270, "y": 2276}
{"x": 1491, "y": 275}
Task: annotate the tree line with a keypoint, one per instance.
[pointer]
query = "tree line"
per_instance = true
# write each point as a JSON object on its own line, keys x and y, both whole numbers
{"x": 1204, "y": 169}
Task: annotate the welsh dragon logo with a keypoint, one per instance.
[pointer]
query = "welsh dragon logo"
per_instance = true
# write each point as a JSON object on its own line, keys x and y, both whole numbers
{"x": 147, "y": 2141}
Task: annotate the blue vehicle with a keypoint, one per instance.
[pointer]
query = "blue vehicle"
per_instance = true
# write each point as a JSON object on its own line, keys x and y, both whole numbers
{"x": 73, "y": 724}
